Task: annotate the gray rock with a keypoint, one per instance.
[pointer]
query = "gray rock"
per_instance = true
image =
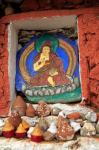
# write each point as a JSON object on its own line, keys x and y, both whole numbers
{"x": 88, "y": 129}
{"x": 55, "y": 111}
{"x": 91, "y": 116}
{"x": 97, "y": 127}
{"x": 76, "y": 126}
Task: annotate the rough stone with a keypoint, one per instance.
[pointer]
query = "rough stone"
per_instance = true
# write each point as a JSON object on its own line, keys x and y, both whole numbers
{"x": 55, "y": 111}
{"x": 76, "y": 126}
{"x": 91, "y": 116}
{"x": 74, "y": 115}
{"x": 64, "y": 131}
{"x": 88, "y": 129}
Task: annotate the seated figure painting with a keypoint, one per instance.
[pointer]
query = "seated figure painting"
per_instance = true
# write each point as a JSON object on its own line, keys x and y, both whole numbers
{"x": 47, "y": 68}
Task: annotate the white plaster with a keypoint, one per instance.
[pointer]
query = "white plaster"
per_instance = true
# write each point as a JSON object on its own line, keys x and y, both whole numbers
{"x": 83, "y": 98}
{"x": 12, "y": 47}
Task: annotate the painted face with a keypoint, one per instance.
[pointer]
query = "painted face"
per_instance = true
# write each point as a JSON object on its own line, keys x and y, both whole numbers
{"x": 46, "y": 49}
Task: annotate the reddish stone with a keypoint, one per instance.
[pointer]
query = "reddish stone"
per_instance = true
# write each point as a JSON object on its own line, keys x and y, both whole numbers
{"x": 74, "y": 116}
{"x": 43, "y": 109}
{"x": 64, "y": 130}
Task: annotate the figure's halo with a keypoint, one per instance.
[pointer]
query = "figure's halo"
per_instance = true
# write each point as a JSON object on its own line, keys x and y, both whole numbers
{"x": 43, "y": 39}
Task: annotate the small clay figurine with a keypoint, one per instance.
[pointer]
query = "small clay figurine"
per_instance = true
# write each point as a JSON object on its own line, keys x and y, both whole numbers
{"x": 8, "y": 130}
{"x": 43, "y": 109}
{"x": 19, "y": 105}
{"x": 20, "y": 132}
{"x": 30, "y": 111}
{"x": 37, "y": 134}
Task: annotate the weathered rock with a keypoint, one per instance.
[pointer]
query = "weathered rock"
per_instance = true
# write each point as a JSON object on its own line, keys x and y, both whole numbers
{"x": 52, "y": 129}
{"x": 43, "y": 124}
{"x": 97, "y": 127}
{"x": 43, "y": 109}
{"x": 88, "y": 129}
{"x": 91, "y": 116}
{"x": 48, "y": 136}
{"x": 76, "y": 126}
{"x": 62, "y": 114}
{"x": 64, "y": 130}
{"x": 55, "y": 111}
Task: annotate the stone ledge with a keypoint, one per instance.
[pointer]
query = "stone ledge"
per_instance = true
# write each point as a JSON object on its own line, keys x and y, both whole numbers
{"x": 82, "y": 143}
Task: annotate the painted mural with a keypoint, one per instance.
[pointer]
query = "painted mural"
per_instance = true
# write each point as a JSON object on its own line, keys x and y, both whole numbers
{"x": 47, "y": 68}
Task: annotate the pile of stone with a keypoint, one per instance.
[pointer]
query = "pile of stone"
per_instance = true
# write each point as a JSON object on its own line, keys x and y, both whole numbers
{"x": 58, "y": 122}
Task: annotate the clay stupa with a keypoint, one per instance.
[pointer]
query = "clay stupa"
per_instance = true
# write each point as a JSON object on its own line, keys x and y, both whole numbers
{"x": 8, "y": 130}
{"x": 30, "y": 111}
{"x": 19, "y": 105}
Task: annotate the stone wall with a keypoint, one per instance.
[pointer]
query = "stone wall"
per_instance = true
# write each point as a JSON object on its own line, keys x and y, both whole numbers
{"x": 89, "y": 43}
{"x": 88, "y": 31}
